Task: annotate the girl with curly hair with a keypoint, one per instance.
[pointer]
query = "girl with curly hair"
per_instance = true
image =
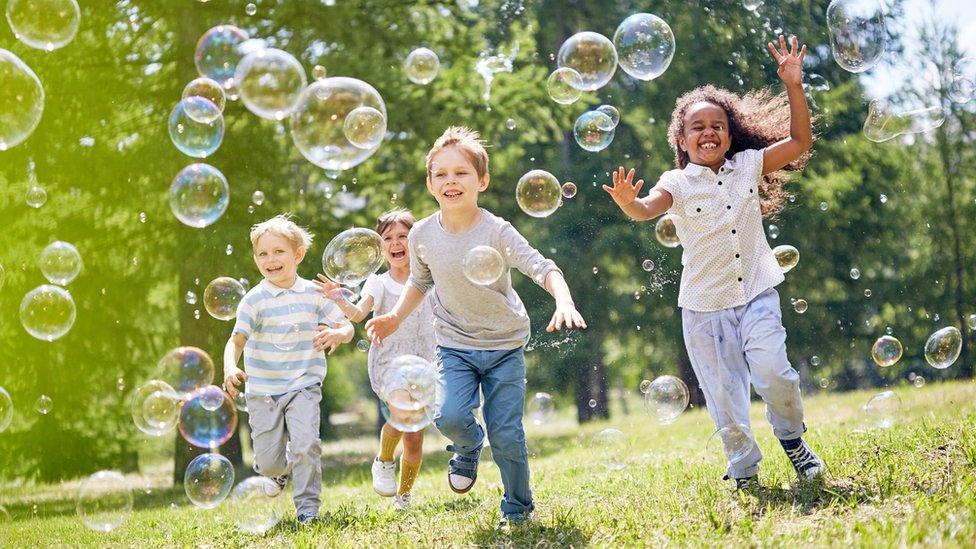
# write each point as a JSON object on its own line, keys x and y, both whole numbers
{"x": 730, "y": 155}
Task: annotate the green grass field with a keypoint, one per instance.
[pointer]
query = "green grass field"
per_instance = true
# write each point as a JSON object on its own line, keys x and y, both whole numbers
{"x": 911, "y": 484}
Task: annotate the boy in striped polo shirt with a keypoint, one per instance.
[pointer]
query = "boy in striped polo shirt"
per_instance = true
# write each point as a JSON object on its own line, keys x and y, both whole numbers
{"x": 276, "y": 321}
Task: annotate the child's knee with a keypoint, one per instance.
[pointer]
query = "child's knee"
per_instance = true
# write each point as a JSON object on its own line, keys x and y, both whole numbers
{"x": 270, "y": 466}
{"x": 452, "y": 421}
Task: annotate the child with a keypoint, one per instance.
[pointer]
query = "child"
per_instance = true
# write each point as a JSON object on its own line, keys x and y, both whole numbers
{"x": 728, "y": 151}
{"x": 276, "y": 320}
{"x": 480, "y": 330}
{"x": 415, "y": 337}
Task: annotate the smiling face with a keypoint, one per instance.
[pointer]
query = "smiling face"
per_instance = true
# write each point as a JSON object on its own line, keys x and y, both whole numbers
{"x": 705, "y": 136}
{"x": 278, "y": 259}
{"x": 395, "y": 245}
{"x": 453, "y": 180}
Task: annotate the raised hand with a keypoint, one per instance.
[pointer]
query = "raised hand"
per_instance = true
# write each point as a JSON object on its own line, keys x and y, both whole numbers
{"x": 790, "y": 61}
{"x": 325, "y": 286}
{"x": 381, "y": 327}
{"x": 623, "y": 191}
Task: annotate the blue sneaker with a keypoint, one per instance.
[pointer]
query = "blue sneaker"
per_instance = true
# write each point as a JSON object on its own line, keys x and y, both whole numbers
{"x": 307, "y": 520}
{"x": 808, "y": 464}
{"x": 462, "y": 471}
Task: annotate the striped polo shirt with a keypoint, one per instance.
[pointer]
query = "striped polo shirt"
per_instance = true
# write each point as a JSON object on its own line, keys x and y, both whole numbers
{"x": 279, "y": 324}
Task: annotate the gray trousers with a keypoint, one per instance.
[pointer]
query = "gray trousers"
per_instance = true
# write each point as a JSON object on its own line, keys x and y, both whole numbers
{"x": 285, "y": 436}
{"x": 730, "y": 348}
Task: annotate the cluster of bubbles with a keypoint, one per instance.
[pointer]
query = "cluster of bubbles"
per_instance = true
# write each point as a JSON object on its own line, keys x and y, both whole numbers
{"x": 412, "y": 391}
{"x": 882, "y": 409}
{"x": 422, "y": 66}
{"x": 199, "y": 195}
{"x": 541, "y": 408}
{"x": 665, "y": 232}
{"x": 594, "y": 130}
{"x": 886, "y": 351}
{"x": 786, "y": 256}
{"x": 208, "y": 479}
{"x": 208, "y": 417}
{"x": 483, "y": 265}
{"x": 104, "y": 501}
{"x": 857, "y": 33}
{"x": 943, "y": 347}
{"x": 667, "y": 397}
{"x": 538, "y": 193}
{"x": 733, "y": 442}
{"x": 883, "y": 123}
{"x": 222, "y": 296}
{"x": 352, "y": 255}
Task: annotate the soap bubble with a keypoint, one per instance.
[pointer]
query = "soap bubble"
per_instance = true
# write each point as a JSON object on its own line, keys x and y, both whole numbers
{"x": 6, "y": 409}
{"x": 962, "y": 84}
{"x": 408, "y": 421}
{"x": 592, "y": 55}
{"x": 318, "y": 121}
{"x": 253, "y": 509}
{"x": 218, "y": 53}
{"x": 204, "y": 427}
{"x": 665, "y": 232}
{"x": 36, "y": 196}
{"x": 943, "y": 347}
{"x": 613, "y": 113}
{"x": 410, "y": 383}
{"x": 319, "y": 72}
{"x": 365, "y": 127}
{"x": 185, "y": 369}
{"x": 250, "y": 8}
{"x": 867, "y": 292}
{"x": 352, "y": 256}
{"x": 645, "y": 45}
{"x": 47, "y": 312}
{"x": 667, "y": 397}
{"x": 257, "y": 197}
{"x": 362, "y": 345}
{"x": 191, "y": 136}
{"x": 222, "y": 296}
{"x": 490, "y": 65}
{"x": 270, "y": 82}
{"x": 815, "y": 360}
{"x": 773, "y": 232}
{"x": 21, "y": 100}
{"x": 43, "y": 404}
{"x": 591, "y": 133}
{"x": 208, "y": 479}
{"x": 421, "y": 66}
{"x": 612, "y": 445}
{"x": 483, "y": 265}
{"x": 882, "y": 409}
{"x": 155, "y": 408}
{"x": 919, "y": 381}
{"x": 752, "y": 5}
{"x": 541, "y": 408}
{"x": 800, "y": 306}
{"x": 787, "y": 256}
{"x": 734, "y": 441}
{"x": 569, "y": 189}
{"x": 647, "y": 265}
{"x": 645, "y": 386}
{"x": 883, "y": 123}
{"x": 510, "y": 123}
{"x": 44, "y": 24}
{"x": 240, "y": 402}
{"x": 564, "y": 86}
{"x": 886, "y": 351}
{"x": 208, "y": 89}
{"x": 104, "y": 501}
{"x": 199, "y": 195}
{"x": 60, "y": 263}
{"x": 538, "y": 193}
{"x": 855, "y": 273}
{"x": 857, "y": 33}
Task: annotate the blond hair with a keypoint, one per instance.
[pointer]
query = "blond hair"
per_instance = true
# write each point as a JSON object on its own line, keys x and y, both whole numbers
{"x": 394, "y": 216}
{"x": 468, "y": 142}
{"x": 283, "y": 226}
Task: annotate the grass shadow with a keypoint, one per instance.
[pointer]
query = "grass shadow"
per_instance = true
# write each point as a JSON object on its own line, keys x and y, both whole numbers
{"x": 808, "y": 496}
{"x": 562, "y": 532}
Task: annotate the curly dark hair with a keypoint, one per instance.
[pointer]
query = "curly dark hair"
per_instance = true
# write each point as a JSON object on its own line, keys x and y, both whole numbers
{"x": 756, "y": 120}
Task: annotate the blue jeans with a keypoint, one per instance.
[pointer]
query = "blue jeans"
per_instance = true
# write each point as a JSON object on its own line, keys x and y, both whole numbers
{"x": 501, "y": 376}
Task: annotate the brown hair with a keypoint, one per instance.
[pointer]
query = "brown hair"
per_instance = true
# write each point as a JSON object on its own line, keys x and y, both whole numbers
{"x": 756, "y": 120}
{"x": 392, "y": 217}
{"x": 468, "y": 142}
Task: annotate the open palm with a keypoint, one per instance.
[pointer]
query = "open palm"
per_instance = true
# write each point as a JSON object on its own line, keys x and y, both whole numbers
{"x": 790, "y": 61}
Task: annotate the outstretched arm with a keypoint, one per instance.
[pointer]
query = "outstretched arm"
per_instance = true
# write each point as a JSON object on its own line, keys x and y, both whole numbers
{"x": 565, "y": 308}
{"x": 355, "y": 312}
{"x": 381, "y": 327}
{"x": 790, "y": 71}
{"x": 624, "y": 193}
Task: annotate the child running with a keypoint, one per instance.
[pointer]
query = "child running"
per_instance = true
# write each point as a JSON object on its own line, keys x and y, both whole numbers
{"x": 729, "y": 153}
{"x": 480, "y": 329}
{"x": 415, "y": 337}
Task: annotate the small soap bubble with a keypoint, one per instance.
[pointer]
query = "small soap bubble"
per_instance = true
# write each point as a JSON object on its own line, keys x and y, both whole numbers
{"x": 564, "y": 86}
{"x": 45, "y": 25}
{"x": 257, "y": 197}
{"x": 254, "y": 506}
{"x": 104, "y": 501}
{"x": 667, "y": 397}
{"x": 208, "y": 418}
{"x": 868, "y": 292}
{"x": 510, "y": 124}
{"x": 185, "y": 369}
{"x": 199, "y": 195}
{"x": 208, "y": 480}
{"x": 541, "y": 408}
{"x": 665, "y": 232}
{"x": 884, "y": 198}
{"x": 823, "y": 206}
{"x": 919, "y": 381}
{"x": 773, "y": 231}
{"x": 645, "y": 386}
{"x": 43, "y": 404}
{"x": 882, "y": 410}
{"x": 60, "y": 263}
{"x": 647, "y": 265}
{"x": 815, "y": 360}
{"x": 319, "y": 72}
{"x": 209, "y": 89}
{"x": 222, "y": 296}
{"x": 365, "y": 127}
{"x": 483, "y": 265}
{"x": 538, "y": 193}
{"x": 612, "y": 445}
{"x": 855, "y": 273}
{"x": 592, "y": 403}
{"x": 142, "y": 217}
{"x": 191, "y": 297}
{"x": 645, "y": 44}
{"x": 594, "y": 131}
{"x": 569, "y": 189}
{"x": 196, "y": 314}
{"x": 47, "y": 312}
{"x": 250, "y": 9}
{"x": 362, "y": 345}
{"x": 596, "y": 270}
{"x": 36, "y": 196}
{"x": 800, "y": 306}
{"x": 787, "y": 256}
{"x": 943, "y": 347}
{"x": 886, "y": 351}
{"x": 352, "y": 256}
{"x": 229, "y": 249}
{"x": 120, "y": 384}
{"x": 196, "y": 127}
{"x": 824, "y": 383}
{"x": 611, "y": 112}
{"x": 155, "y": 408}
{"x": 422, "y": 66}
{"x": 592, "y": 55}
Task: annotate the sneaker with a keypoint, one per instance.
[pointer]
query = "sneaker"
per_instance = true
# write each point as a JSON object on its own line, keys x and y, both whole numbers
{"x": 276, "y": 486}
{"x": 508, "y": 522}
{"x": 401, "y": 502}
{"x": 745, "y": 483}
{"x": 807, "y": 464}
{"x": 384, "y": 477}
{"x": 462, "y": 471}
{"x": 307, "y": 520}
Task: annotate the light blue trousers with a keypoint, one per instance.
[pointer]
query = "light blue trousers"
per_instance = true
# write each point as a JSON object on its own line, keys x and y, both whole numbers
{"x": 730, "y": 348}
{"x": 501, "y": 377}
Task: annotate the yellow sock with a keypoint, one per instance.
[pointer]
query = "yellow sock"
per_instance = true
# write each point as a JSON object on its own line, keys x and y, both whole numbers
{"x": 389, "y": 438}
{"x": 408, "y": 474}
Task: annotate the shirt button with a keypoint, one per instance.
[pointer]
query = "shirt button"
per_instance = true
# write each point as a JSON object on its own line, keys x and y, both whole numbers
{"x": 719, "y": 182}
{"x": 728, "y": 207}
{"x": 737, "y": 256}
{"x": 698, "y": 210}
{"x": 733, "y": 231}
{"x": 740, "y": 279}
{"x": 750, "y": 191}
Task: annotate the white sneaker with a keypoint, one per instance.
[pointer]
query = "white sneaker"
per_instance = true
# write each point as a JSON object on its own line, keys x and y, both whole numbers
{"x": 384, "y": 477}
{"x": 277, "y": 484}
{"x": 401, "y": 502}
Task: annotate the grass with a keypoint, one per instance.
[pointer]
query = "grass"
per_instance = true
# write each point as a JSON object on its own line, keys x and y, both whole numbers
{"x": 913, "y": 484}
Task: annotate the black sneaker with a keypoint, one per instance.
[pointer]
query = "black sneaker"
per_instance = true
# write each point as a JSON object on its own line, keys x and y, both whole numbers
{"x": 745, "y": 483}
{"x": 807, "y": 464}
{"x": 272, "y": 490}
{"x": 307, "y": 520}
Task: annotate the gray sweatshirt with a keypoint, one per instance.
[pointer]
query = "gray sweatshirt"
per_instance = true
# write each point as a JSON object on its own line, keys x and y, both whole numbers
{"x": 468, "y": 315}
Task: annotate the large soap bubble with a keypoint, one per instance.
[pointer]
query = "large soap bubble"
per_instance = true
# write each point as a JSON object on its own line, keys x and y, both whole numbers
{"x": 667, "y": 397}
{"x": 943, "y": 347}
{"x": 564, "y": 85}
{"x": 44, "y": 24}
{"x": 408, "y": 421}
{"x": 883, "y": 123}
{"x": 886, "y": 351}
{"x": 365, "y": 127}
{"x": 208, "y": 479}
{"x": 104, "y": 501}
{"x": 787, "y": 256}
{"x": 538, "y": 193}
{"x": 47, "y": 312}
{"x": 421, "y": 66}
{"x": 218, "y": 53}
{"x": 592, "y": 55}
{"x": 21, "y": 100}
{"x": 253, "y": 507}
{"x": 318, "y": 121}
{"x": 6, "y": 409}
{"x": 483, "y": 265}
{"x": 882, "y": 410}
{"x": 962, "y": 80}
{"x": 222, "y": 296}
{"x": 734, "y": 441}
{"x": 410, "y": 383}
{"x": 594, "y": 130}
{"x": 352, "y": 255}
{"x": 208, "y": 418}
{"x": 209, "y": 89}
{"x": 199, "y": 195}
{"x": 645, "y": 45}
{"x": 155, "y": 408}
{"x": 188, "y": 131}
{"x": 490, "y": 65}
{"x": 857, "y": 33}
{"x": 186, "y": 369}
{"x": 541, "y": 408}
{"x": 60, "y": 263}
{"x": 612, "y": 445}
{"x": 666, "y": 233}
{"x": 270, "y": 82}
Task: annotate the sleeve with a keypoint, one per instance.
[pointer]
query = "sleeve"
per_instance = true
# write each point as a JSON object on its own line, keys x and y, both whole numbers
{"x": 752, "y": 159}
{"x": 420, "y": 276}
{"x": 329, "y": 313}
{"x": 521, "y": 255}
{"x": 670, "y": 183}
{"x": 246, "y": 317}
{"x": 373, "y": 287}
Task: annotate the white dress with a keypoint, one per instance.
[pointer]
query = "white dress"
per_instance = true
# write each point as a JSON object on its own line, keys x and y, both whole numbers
{"x": 414, "y": 337}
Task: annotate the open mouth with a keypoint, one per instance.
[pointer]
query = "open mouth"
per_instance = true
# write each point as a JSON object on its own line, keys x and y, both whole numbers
{"x": 274, "y": 270}
{"x": 398, "y": 255}
{"x": 710, "y": 146}
{"x": 453, "y": 193}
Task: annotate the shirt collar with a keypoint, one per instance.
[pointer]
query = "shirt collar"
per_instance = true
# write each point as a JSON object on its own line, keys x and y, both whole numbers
{"x": 695, "y": 170}
{"x": 298, "y": 287}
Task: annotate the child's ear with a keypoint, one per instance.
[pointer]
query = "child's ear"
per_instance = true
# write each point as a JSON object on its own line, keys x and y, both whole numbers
{"x": 429, "y": 189}
{"x": 299, "y": 254}
{"x": 483, "y": 184}
{"x": 681, "y": 143}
